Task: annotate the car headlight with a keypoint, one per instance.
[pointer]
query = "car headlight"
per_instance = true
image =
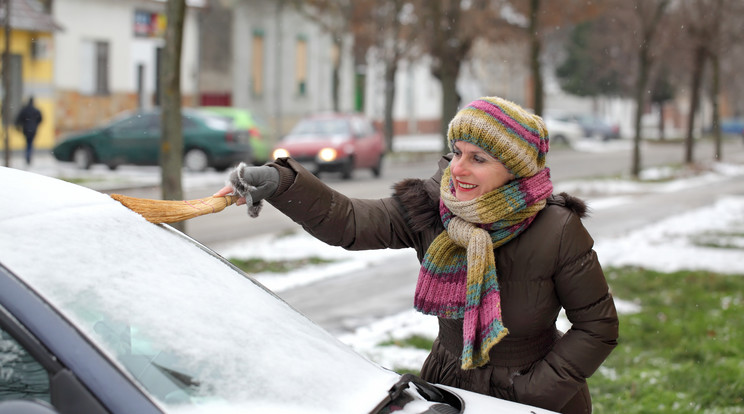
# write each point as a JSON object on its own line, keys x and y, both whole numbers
{"x": 280, "y": 153}
{"x": 327, "y": 154}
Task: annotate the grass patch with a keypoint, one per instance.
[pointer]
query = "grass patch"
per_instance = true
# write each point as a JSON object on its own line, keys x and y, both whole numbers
{"x": 682, "y": 352}
{"x": 414, "y": 341}
{"x": 78, "y": 181}
{"x": 251, "y": 266}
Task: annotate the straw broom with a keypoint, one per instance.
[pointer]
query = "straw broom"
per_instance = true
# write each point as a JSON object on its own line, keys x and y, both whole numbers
{"x": 171, "y": 211}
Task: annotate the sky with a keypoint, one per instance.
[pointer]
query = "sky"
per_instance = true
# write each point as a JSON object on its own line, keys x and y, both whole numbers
{"x": 676, "y": 243}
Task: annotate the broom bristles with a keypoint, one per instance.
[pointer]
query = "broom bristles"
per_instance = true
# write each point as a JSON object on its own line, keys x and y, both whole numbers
{"x": 172, "y": 211}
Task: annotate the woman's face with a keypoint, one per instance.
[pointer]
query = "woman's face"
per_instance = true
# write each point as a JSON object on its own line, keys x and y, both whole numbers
{"x": 475, "y": 172}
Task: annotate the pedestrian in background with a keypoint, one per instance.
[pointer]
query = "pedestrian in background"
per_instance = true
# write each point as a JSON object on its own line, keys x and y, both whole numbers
{"x": 500, "y": 256}
{"x": 28, "y": 121}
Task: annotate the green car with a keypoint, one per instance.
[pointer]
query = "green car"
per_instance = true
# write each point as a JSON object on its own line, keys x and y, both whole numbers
{"x": 262, "y": 135}
{"x": 134, "y": 138}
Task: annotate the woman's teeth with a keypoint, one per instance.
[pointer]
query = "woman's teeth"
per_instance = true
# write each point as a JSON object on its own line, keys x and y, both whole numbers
{"x": 467, "y": 186}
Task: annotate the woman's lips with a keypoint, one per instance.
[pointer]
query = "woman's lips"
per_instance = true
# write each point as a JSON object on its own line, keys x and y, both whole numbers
{"x": 465, "y": 186}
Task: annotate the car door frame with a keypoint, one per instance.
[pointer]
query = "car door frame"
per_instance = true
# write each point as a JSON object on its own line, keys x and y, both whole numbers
{"x": 81, "y": 378}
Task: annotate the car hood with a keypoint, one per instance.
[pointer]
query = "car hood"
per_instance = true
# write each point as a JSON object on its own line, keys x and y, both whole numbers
{"x": 101, "y": 264}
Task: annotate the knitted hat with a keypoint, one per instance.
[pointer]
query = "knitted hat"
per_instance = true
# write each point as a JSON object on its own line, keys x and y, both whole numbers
{"x": 517, "y": 138}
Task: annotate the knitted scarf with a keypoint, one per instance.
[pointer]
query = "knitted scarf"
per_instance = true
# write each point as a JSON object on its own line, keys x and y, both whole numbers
{"x": 458, "y": 277}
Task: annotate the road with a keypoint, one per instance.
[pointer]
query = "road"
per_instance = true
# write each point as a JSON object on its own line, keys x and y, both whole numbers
{"x": 341, "y": 304}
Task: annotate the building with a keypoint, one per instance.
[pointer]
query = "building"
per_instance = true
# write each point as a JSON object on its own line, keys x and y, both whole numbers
{"x": 269, "y": 58}
{"x": 30, "y": 66}
{"x": 107, "y": 58}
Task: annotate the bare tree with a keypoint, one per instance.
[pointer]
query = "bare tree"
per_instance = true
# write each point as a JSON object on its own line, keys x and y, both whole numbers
{"x": 702, "y": 20}
{"x": 373, "y": 25}
{"x": 724, "y": 36}
{"x": 5, "y": 111}
{"x": 171, "y": 145}
{"x": 649, "y": 15}
{"x": 392, "y": 41}
{"x": 543, "y": 18}
{"x": 447, "y": 31}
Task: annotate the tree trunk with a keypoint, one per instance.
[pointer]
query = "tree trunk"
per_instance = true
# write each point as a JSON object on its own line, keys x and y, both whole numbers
{"x": 662, "y": 136}
{"x": 535, "y": 50}
{"x": 716, "y": 86}
{"x": 171, "y": 145}
{"x": 6, "y": 86}
{"x": 696, "y": 81}
{"x": 643, "y": 70}
{"x": 450, "y": 102}
{"x": 336, "y": 76}
{"x": 390, "y": 70}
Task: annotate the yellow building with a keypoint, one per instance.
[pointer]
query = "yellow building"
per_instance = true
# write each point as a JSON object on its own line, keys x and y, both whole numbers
{"x": 30, "y": 68}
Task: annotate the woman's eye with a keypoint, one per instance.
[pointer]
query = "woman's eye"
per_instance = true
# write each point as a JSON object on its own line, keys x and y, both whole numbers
{"x": 479, "y": 159}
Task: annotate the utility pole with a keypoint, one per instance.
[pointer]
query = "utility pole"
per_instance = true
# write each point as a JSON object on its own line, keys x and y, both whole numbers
{"x": 6, "y": 86}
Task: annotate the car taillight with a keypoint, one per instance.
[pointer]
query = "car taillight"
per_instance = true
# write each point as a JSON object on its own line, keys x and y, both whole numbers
{"x": 230, "y": 136}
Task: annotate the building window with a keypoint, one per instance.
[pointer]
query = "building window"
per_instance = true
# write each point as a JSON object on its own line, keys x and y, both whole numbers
{"x": 257, "y": 64}
{"x": 301, "y": 66}
{"x": 94, "y": 71}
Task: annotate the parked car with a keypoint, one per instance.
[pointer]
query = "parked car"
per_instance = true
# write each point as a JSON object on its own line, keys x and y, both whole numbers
{"x": 563, "y": 132}
{"x": 104, "y": 312}
{"x": 262, "y": 134}
{"x": 729, "y": 126}
{"x": 594, "y": 126}
{"x": 334, "y": 142}
{"x": 134, "y": 138}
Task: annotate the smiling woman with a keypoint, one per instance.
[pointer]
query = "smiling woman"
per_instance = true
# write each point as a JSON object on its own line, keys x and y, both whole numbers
{"x": 500, "y": 256}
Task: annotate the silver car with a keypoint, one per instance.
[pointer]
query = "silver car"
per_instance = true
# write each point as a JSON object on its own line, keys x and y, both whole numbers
{"x": 104, "y": 312}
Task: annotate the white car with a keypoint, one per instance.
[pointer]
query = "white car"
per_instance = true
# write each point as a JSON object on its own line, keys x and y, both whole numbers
{"x": 104, "y": 312}
{"x": 563, "y": 132}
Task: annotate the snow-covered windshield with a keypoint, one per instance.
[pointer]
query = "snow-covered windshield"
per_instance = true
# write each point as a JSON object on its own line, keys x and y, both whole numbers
{"x": 194, "y": 332}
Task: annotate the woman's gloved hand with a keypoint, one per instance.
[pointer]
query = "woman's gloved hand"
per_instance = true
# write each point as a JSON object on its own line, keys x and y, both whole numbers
{"x": 252, "y": 184}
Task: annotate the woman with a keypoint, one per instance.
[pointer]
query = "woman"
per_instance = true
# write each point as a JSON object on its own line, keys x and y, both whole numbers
{"x": 500, "y": 256}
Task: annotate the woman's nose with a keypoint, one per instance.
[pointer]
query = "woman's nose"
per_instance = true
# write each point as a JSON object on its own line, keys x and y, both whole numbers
{"x": 458, "y": 168}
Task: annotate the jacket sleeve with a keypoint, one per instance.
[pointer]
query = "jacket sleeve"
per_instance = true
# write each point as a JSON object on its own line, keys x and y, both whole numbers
{"x": 583, "y": 292}
{"x": 354, "y": 224}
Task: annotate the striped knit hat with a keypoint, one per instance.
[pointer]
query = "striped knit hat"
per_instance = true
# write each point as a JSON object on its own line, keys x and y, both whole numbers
{"x": 517, "y": 138}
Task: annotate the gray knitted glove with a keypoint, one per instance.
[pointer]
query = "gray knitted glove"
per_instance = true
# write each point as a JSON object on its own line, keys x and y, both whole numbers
{"x": 255, "y": 184}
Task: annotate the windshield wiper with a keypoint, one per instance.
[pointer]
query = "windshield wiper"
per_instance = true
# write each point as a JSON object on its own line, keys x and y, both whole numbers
{"x": 426, "y": 390}
{"x": 184, "y": 379}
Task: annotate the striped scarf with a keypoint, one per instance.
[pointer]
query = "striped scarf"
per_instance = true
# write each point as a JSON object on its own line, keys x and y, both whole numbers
{"x": 458, "y": 277}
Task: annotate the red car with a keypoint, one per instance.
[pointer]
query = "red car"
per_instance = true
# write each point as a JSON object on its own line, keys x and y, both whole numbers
{"x": 334, "y": 142}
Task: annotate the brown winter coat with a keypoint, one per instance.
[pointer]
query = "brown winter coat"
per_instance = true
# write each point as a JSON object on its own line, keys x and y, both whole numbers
{"x": 549, "y": 266}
